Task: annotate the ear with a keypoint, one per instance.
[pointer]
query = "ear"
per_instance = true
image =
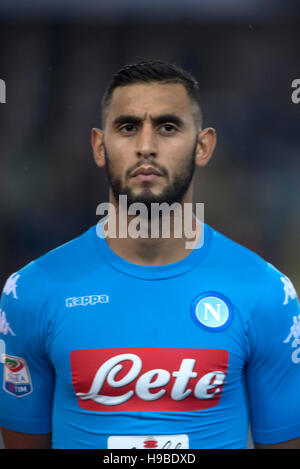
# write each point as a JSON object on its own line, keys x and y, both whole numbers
{"x": 97, "y": 141}
{"x": 206, "y": 145}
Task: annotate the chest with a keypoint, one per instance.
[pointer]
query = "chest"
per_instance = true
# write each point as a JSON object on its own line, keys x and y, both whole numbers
{"x": 147, "y": 346}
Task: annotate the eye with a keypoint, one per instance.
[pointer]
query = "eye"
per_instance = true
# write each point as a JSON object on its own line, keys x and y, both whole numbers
{"x": 128, "y": 128}
{"x": 168, "y": 128}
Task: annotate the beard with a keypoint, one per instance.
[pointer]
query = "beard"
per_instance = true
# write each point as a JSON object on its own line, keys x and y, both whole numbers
{"x": 173, "y": 192}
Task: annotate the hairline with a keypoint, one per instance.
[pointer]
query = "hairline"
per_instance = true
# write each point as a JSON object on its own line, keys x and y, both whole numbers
{"x": 197, "y": 113}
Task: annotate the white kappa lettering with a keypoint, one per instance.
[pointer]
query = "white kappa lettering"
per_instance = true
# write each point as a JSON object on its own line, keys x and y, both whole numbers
{"x": 289, "y": 290}
{"x": 11, "y": 285}
{"x": 296, "y": 353}
{"x": 295, "y": 329}
{"x": 206, "y": 387}
{"x": 4, "y": 324}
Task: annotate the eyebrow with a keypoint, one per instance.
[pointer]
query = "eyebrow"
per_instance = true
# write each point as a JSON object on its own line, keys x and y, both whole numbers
{"x": 158, "y": 120}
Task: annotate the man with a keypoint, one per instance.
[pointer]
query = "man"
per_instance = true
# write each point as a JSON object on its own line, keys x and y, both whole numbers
{"x": 138, "y": 342}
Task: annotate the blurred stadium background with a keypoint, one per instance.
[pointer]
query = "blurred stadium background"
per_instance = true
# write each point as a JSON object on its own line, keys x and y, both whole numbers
{"x": 56, "y": 59}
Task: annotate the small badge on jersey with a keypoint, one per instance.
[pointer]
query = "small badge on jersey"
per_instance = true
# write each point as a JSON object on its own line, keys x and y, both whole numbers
{"x": 212, "y": 311}
{"x": 16, "y": 376}
{"x": 148, "y": 442}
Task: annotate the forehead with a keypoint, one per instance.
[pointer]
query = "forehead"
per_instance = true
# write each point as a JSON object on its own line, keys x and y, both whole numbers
{"x": 150, "y": 98}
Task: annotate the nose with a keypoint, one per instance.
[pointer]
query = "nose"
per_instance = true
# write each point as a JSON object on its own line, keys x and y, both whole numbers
{"x": 146, "y": 144}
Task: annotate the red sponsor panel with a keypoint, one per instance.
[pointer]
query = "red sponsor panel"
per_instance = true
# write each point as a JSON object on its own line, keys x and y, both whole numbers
{"x": 148, "y": 379}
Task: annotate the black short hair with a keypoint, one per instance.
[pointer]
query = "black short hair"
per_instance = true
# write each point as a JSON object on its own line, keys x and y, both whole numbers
{"x": 152, "y": 72}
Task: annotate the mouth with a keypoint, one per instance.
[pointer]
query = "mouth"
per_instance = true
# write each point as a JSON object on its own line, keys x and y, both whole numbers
{"x": 146, "y": 173}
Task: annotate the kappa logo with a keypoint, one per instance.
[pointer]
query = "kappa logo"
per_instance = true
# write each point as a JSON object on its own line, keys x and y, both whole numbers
{"x": 4, "y": 324}
{"x": 212, "y": 311}
{"x": 289, "y": 290}
{"x": 295, "y": 334}
{"x": 86, "y": 300}
{"x": 11, "y": 285}
{"x": 295, "y": 330}
{"x": 2, "y": 350}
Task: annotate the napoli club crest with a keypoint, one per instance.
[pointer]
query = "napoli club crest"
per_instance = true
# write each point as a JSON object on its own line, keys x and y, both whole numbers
{"x": 212, "y": 311}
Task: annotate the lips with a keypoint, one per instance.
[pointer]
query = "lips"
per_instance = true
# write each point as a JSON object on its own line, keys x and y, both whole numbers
{"x": 146, "y": 171}
{"x": 146, "y": 174}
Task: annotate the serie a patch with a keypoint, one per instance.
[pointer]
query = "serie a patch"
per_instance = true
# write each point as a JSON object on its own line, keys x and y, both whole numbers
{"x": 16, "y": 376}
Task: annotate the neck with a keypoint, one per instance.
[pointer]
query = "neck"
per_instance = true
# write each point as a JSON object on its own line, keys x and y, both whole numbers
{"x": 151, "y": 239}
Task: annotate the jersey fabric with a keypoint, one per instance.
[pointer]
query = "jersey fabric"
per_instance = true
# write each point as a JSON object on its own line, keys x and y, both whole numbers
{"x": 104, "y": 353}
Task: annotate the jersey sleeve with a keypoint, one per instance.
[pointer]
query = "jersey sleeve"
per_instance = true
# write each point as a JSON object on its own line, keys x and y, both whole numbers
{"x": 26, "y": 373}
{"x": 273, "y": 369}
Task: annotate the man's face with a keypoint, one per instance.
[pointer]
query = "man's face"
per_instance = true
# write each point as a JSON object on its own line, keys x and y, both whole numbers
{"x": 150, "y": 142}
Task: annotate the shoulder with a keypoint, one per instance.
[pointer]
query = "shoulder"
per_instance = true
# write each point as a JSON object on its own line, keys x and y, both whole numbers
{"x": 262, "y": 282}
{"x": 64, "y": 258}
{"x": 60, "y": 263}
{"x": 235, "y": 258}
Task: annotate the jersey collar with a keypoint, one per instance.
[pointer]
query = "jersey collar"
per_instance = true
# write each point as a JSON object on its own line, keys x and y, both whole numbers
{"x": 153, "y": 272}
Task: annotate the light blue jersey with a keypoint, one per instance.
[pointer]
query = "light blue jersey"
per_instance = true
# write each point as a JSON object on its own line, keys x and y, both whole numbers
{"x": 104, "y": 353}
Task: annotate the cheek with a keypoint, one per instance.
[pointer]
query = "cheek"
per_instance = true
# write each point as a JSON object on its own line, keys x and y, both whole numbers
{"x": 120, "y": 149}
{"x": 115, "y": 159}
{"x": 180, "y": 161}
